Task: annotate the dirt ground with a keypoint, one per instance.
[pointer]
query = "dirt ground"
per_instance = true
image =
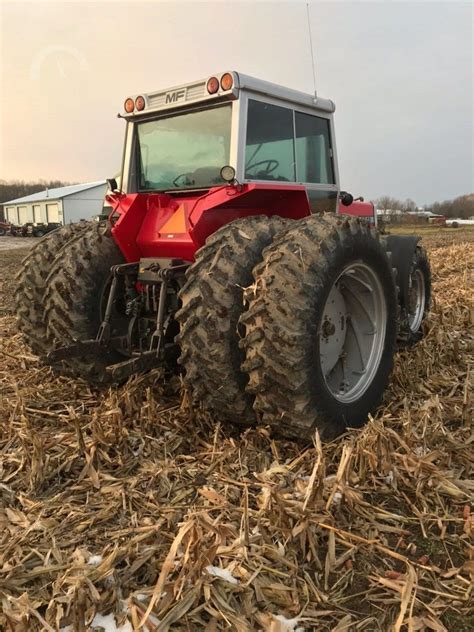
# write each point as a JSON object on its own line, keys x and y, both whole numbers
{"x": 11, "y": 243}
{"x": 12, "y": 251}
{"x": 128, "y": 503}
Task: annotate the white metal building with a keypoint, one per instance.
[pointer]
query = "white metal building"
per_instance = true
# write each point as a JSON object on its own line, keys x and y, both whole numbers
{"x": 66, "y": 204}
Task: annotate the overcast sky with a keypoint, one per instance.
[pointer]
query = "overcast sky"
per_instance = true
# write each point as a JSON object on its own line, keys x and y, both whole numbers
{"x": 401, "y": 74}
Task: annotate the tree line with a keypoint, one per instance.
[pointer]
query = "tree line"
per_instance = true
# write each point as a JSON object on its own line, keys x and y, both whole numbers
{"x": 462, "y": 206}
{"x": 13, "y": 189}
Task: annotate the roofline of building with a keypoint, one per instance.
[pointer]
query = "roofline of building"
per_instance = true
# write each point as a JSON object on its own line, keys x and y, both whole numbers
{"x": 91, "y": 185}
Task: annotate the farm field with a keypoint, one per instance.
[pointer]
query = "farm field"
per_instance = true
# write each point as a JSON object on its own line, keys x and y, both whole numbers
{"x": 126, "y": 502}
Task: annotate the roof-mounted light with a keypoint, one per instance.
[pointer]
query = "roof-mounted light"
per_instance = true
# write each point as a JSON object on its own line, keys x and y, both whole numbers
{"x": 140, "y": 103}
{"x": 227, "y": 81}
{"x": 129, "y": 105}
{"x": 212, "y": 85}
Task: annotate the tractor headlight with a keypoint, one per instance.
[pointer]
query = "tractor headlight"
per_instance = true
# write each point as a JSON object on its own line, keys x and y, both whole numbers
{"x": 228, "y": 173}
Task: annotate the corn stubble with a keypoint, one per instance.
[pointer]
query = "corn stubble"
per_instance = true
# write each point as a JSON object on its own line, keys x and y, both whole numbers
{"x": 128, "y": 502}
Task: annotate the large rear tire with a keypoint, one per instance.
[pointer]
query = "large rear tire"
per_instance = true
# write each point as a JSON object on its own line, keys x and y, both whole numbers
{"x": 321, "y": 327}
{"x": 31, "y": 284}
{"x": 76, "y": 293}
{"x": 212, "y": 302}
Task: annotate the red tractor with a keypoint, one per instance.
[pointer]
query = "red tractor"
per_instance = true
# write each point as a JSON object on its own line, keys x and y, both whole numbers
{"x": 226, "y": 256}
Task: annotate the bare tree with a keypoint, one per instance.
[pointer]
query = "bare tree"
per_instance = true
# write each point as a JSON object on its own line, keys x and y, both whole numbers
{"x": 388, "y": 204}
{"x": 409, "y": 206}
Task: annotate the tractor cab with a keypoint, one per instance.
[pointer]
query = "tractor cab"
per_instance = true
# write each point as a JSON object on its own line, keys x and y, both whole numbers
{"x": 179, "y": 139}
{"x": 277, "y": 144}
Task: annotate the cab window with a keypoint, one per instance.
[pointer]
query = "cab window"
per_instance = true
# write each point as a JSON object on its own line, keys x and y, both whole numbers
{"x": 269, "y": 152}
{"x": 287, "y": 146}
{"x": 313, "y": 150}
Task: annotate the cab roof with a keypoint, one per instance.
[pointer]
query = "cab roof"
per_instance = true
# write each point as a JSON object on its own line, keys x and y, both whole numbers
{"x": 197, "y": 92}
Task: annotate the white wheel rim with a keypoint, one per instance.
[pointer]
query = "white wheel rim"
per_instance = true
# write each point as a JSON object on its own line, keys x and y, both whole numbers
{"x": 417, "y": 300}
{"x": 352, "y": 332}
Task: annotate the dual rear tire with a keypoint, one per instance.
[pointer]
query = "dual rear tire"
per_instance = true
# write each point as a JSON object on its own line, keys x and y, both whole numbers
{"x": 313, "y": 346}
{"x": 32, "y": 281}
{"x": 60, "y": 291}
{"x": 211, "y": 305}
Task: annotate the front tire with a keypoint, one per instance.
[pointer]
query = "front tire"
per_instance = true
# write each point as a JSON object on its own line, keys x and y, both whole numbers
{"x": 419, "y": 297}
{"x": 321, "y": 327}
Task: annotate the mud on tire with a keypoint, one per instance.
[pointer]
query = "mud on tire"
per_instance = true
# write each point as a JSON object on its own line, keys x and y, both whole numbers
{"x": 75, "y": 294}
{"x": 284, "y": 321}
{"x": 31, "y": 283}
{"x": 212, "y": 302}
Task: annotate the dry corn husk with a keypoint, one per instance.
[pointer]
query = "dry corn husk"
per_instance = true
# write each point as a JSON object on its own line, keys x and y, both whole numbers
{"x": 121, "y": 502}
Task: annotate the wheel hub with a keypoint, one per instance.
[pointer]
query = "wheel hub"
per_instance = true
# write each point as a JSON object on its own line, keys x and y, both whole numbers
{"x": 352, "y": 332}
{"x": 416, "y": 300}
{"x": 333, "y": 330}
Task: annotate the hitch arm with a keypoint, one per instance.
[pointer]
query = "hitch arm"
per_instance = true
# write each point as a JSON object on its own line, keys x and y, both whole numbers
{"x": 103, "y": 335}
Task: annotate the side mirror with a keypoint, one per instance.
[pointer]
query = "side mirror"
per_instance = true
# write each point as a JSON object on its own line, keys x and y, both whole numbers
{"x": 346, "y": 198}
{"x": 112, "y": 184}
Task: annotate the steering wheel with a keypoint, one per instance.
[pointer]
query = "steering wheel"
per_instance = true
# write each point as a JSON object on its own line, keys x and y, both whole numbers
{"x": 183, "y": 175}
{"x": 271, "y": 165}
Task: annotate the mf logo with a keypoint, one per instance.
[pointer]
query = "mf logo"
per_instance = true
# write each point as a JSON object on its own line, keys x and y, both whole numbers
{"x": 177, "y": 95}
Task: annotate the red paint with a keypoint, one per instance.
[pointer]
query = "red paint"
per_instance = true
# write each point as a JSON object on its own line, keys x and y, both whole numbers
{"x": 171, "y": 226}
{"x": 142, "y": 217}
{"x": 358, "y": 209}
{"x": 441, "y": 220}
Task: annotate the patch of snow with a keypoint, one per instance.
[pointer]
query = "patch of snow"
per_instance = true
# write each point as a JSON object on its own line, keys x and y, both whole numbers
{"x": 107, "y": 622}
{"x": 109, "y": 625}
{"x": 289, "y": 625}
{"x": 95, "y": 560}
{"x": 141, "y": 596}
{"x": 223, "y": 573}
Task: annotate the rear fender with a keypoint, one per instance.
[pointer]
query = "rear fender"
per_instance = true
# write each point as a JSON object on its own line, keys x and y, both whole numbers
{"x": 164, "y": 225}
{"x": 402, "y": 248}
{"x": 228, "y": 203}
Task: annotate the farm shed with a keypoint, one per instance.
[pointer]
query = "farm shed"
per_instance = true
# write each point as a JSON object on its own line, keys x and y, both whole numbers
{"x": 65, "y": 204}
